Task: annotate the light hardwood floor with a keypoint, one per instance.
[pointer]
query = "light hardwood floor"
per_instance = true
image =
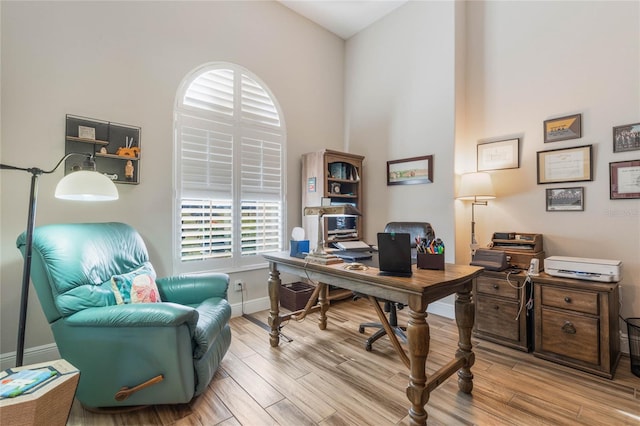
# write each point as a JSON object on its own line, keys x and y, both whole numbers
{"x": 327, "y": 378}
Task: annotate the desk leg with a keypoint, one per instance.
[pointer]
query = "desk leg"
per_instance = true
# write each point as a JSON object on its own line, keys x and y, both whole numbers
{"x": 418, "y": 340}
{"x": 464, "y": 318}
{"x": 323, "y": 300}
{"x": 274, "y": 299}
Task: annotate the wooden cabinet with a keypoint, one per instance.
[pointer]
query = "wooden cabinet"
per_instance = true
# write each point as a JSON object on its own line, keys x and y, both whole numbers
{"x": 576, "y": 323}
{"x": 116, "y": 147}
{"x": 573, "y": 322}
{"x": 501, "y": 312}
{"x": 335, "y": 178}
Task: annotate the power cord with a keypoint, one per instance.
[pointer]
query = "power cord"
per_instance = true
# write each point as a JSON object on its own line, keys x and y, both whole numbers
{"x": 523, "y": 286}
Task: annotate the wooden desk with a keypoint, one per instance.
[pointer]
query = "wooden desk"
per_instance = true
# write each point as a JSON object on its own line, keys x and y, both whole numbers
{"x": 424, "y": 287}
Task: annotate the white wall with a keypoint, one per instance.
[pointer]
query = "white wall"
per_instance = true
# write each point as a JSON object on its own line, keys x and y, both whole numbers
{"x": 124, "y": 61}
{"x": 531, "y": 61}
{"x": 400, "y": 103}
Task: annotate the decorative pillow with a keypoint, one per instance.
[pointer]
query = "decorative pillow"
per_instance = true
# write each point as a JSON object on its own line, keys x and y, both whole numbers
{"x": 144, "y": 290}
{"x": 138, "y": 286}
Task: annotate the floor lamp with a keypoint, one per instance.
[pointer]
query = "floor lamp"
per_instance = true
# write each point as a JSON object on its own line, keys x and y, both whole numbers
{"x": 319, "y": 255}
{"x": 478, "y": 188}
{"x": 82, "y": 185}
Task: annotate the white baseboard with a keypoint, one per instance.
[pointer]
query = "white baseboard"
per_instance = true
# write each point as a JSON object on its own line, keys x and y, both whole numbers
{"x": 35, "y": 355}
{"x": 250, "y": 306}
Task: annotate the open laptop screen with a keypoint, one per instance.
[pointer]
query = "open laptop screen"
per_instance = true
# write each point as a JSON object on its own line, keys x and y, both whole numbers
{"x": 394, "y": 254}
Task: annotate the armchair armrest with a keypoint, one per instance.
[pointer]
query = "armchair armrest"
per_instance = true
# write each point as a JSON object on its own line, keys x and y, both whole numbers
{"x": 135, "y": 315}
{"x": 193, "y": 289}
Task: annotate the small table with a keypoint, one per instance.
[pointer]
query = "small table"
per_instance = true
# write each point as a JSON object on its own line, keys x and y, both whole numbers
{"x": 423, "y": 287}
{"x": 48, "y": 403}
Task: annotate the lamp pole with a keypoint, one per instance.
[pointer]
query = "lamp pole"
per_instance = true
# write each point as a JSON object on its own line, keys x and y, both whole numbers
{"x": 26, "y": 271}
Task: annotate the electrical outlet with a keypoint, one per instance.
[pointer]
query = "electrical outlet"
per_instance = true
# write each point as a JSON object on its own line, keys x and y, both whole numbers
{"x": 238, "y": 285}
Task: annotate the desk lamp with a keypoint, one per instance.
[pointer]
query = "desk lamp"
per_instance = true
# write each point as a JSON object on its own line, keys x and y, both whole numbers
{"x": 478, "y": 188}
{"x": 318, "y": 255}
{"x": 83, "y": 185}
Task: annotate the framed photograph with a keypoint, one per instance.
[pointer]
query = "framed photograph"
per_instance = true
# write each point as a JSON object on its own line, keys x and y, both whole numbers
{"x": 499, "y": 155}
{"x": 85, "y": 132}
{"x": 624, "y": 180}
{"x": 565, "y": 199}
{"x": 410, "y": 171}
{"x": 626, "y": 138}
{"x": 563, "y": 128}
{"x": 565, "y": 165}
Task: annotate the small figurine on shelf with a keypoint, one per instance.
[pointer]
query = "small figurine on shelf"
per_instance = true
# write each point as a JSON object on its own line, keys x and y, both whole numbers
{"x": 129, "y": 150}
{"x": 128, "y": 171}
{"x": 103, "y": 150}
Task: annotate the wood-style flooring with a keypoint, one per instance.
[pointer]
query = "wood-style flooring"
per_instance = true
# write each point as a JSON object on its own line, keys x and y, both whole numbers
{"x": 327, "y": 378}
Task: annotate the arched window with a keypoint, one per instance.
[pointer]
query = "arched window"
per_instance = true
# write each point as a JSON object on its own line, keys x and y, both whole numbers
{"x": 229, "y": 170}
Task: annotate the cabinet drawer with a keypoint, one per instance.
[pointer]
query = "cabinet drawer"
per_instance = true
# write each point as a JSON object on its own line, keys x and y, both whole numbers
{"x": 497, "y": 317}
{"x": 496, "y": 287}
{"x": 570, "y": 299}
{"x": 570, "y": 335}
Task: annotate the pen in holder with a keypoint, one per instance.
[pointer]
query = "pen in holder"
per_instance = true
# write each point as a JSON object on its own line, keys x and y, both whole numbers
{"x": 430, "y": 253}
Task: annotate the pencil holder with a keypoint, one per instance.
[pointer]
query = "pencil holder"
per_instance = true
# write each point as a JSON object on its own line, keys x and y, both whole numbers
{"x": 430, "y": 261}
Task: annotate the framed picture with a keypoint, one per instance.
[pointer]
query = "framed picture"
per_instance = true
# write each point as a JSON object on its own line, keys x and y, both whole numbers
{"x": 563, "y": 128}
{"x": 499, "y": 155}
{"x": 626, "y": 138}
{"x": 565, "y": 165}
{"x": 410, "y": 171}
{"x": 624, "y": 180}
{"x": 565, "y": 199}
{"x": 85, "y": 132}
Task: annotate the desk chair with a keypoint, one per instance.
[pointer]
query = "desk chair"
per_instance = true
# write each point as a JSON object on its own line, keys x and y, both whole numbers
{"x": 415, "y": 230}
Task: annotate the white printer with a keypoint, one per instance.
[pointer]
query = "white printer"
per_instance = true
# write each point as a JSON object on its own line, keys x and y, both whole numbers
{"x": 584, "y": 269}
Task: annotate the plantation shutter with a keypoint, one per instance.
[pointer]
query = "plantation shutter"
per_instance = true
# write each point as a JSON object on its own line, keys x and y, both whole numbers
{"x": 231, "y": 154}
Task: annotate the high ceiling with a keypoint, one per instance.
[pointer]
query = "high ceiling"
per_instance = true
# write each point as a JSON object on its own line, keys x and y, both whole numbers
{"x": 343, "y": 18}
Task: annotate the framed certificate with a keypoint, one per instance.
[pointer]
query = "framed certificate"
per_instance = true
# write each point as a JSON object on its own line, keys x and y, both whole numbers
{"x": 565, "y": 165}
{"x": 624, "y": 180}
{"x": 498, "y": 155}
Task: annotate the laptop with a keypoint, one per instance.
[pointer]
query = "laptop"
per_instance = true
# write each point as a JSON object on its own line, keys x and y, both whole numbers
{"x": 394, "y": 254}
{"x": 352, "y": 255}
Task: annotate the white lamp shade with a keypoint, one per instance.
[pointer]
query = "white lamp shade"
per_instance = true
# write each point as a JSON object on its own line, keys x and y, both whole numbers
{"x": 85, "y": 185}
{"x": 476, "y": 186}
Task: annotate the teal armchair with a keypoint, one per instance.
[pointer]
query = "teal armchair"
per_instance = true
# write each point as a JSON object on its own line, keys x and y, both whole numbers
{"x": 135, "y": 352}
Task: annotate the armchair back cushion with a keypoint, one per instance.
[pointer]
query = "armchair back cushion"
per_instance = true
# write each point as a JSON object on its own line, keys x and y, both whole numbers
{"x": 114, "y": 345}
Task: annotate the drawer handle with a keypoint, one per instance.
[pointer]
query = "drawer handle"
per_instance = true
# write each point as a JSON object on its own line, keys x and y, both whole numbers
{"x": 567, "y": 299}
{"x": 568, "y": 328}
{"x": 496, "y": 286}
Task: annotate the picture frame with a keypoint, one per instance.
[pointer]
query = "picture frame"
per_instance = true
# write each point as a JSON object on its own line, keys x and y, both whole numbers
{"x": 626, "y": 137}
{"x": 86, "y": 132}
{"x": 498, "y": 155}
{"x": 565, "y": 165}
{"x": 624, "y": 180}
{"x": 565, "y": 199}
{"x": 563, "y": 128}
{"x": 410, "y": 171}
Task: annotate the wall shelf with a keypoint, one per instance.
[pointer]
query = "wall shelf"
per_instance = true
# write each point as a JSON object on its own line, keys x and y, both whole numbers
{"x": 104, "y": 140}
